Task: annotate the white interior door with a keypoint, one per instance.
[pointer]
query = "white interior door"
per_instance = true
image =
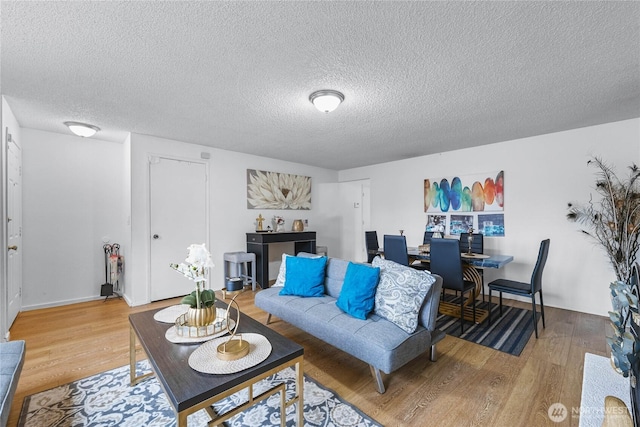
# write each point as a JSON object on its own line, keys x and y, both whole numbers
{"x": 14, "y": 228}
{"x": 352, "y": 195}
{"x": 178, "y": 218}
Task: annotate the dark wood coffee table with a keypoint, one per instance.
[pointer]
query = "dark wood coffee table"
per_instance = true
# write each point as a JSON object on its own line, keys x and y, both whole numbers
{"x": 189, "y": 391}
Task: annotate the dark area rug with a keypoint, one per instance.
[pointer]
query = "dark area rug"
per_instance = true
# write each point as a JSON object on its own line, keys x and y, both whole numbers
{"x": 107, "y": 399}
{"x": 509, "y": 333}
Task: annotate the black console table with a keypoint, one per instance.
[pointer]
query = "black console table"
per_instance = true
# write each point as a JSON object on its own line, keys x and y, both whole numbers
{"x": 258, "y": 243}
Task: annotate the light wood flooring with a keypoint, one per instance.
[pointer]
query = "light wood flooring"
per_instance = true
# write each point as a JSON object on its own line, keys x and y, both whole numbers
{"x": 469, "y": 385}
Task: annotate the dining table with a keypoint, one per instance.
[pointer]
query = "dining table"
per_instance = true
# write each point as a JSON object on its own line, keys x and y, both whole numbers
{"x": 472, "y": 263}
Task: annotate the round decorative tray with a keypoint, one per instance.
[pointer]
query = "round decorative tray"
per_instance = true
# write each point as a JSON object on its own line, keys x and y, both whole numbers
{"x": 204, "y": 359}
{"x": 172, "y": 334}
{"x": 218, "y": 326}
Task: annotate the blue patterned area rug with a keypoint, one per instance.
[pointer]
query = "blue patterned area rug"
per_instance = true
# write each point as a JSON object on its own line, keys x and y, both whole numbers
{"x": 107, "y": 399}
{"x": 509, "y": 333}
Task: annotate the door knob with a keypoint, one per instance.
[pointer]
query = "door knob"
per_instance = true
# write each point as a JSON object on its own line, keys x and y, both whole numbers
{"x": 13, "y": 247}
{"x": 156, "y": 237}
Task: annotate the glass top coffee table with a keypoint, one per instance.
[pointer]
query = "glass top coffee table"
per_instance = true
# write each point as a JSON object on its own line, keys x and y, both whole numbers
{"x": 188, "y": 390}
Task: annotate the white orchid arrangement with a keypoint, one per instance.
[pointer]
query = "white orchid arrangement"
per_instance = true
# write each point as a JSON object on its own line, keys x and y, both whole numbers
{"x": 278, "y": 220}
{"x": 194, "y": 268}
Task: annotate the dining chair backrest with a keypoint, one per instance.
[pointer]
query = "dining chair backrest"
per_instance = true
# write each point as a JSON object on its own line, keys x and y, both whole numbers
{"x": 477, "y": 246}
{"x": 446, "y": 262}
{"x": 428, "y": 235}
{"x": 536, "y": 276}
{"x": 395, "y": 249}
{"x": 371, "y": 242}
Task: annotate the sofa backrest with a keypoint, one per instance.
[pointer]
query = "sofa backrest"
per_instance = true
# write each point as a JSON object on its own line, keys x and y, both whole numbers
{"x": 334, "y": 276}
{"x": 336, "y": 270}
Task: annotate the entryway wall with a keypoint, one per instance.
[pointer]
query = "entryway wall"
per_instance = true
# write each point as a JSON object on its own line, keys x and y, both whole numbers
{"x": 230, "y": 219}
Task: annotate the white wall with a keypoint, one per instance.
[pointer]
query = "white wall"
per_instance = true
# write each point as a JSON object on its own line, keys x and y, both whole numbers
{"x": 230, "y": 218}
{"x": 72, "y": 198}
{"x": 77, "y": 190}
{"x": 542, "y": 174}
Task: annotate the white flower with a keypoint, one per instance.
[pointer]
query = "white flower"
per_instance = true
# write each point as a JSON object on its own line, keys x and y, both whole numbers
{"x": 197, "y": 260}
{"x": 199, "y": 256}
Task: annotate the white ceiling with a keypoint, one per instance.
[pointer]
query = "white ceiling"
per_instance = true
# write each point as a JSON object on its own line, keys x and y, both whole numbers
{"x": 418, "y": 77}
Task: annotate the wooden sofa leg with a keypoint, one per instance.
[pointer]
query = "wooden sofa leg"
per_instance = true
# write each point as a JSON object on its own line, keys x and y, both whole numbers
{"x": 377, "y": 376}
{"x": 268, "y": 319}
{"x": 433, "y": 354}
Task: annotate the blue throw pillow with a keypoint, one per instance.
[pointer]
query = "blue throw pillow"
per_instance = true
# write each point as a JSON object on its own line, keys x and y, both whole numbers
{"x": 357, "y": 296}
{"x": 305, "y": 277}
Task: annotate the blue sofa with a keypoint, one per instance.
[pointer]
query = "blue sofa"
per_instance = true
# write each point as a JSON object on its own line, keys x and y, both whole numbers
{"x": 376, "y": 340}
{"x": 11, "y": 361}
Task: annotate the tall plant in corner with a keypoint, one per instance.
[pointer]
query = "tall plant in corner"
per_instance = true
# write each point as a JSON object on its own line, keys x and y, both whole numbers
{"x": 613, "y": 221}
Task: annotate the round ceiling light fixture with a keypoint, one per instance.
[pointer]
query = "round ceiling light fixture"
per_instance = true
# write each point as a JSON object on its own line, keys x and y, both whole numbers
{"x": 82, "y": 129}
{"x": 326, "y": 100}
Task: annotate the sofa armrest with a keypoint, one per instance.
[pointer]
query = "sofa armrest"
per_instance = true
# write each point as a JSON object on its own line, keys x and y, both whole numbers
{"x": 11, "y": 361}
{"x": 429, "y": 311}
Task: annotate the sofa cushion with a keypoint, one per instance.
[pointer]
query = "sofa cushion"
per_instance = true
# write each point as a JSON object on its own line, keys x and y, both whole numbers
{"x": 400, "y": 293}
{"x": 282, "y": 271}
{"x": 358, "y": 290}
{"x": 305, "y": 276}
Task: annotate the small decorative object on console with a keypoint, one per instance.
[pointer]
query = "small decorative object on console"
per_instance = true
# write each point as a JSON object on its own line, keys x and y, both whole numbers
{"x": 298, "y": 225}
{"x": 278, "y": 223}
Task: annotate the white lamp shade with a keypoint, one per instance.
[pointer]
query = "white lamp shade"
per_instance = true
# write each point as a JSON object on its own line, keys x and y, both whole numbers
{"x": 326, "y": 100}
{"x": 82, "y": 129}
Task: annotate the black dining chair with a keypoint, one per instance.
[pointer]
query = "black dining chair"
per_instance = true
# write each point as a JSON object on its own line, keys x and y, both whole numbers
{"x": 447, "y": 263}
{"x": 395, "y": 249}
{"x": 371, "y": 243}
{"x": 477, "y": 247}
{"x": 523, "y": 288}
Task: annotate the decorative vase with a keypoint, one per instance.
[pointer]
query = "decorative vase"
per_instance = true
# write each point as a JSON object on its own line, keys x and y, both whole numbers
{"x": 298, "y": 225}
{"x": 201, "y": 316}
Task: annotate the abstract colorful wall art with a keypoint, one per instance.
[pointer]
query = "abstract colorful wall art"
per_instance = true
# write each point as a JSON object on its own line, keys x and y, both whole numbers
{"x": 274, "y": 190}
{"x": 470, "y": 193}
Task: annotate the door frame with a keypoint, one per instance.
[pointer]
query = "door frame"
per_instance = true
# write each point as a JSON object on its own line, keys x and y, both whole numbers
{"x": 4, "y": 275}
{"x": 150, "y": 160}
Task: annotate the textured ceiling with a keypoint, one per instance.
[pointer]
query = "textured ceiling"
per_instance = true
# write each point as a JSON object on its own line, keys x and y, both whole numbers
{"x": 418, "y": 77}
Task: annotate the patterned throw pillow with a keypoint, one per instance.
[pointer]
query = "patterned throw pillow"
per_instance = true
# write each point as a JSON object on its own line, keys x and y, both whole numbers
{"x": 400, "y": 293}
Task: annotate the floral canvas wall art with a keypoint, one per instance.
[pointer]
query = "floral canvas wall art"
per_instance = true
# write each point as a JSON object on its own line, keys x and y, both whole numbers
{"x": 274, "y": 190}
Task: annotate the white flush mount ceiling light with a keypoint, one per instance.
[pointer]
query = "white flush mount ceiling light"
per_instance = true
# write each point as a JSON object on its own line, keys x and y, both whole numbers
{"x": 82, "y": 129}
{"x": 326, "y": 100}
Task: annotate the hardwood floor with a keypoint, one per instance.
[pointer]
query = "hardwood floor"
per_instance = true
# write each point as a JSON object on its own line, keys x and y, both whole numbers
{"x": 468, "y": 385}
